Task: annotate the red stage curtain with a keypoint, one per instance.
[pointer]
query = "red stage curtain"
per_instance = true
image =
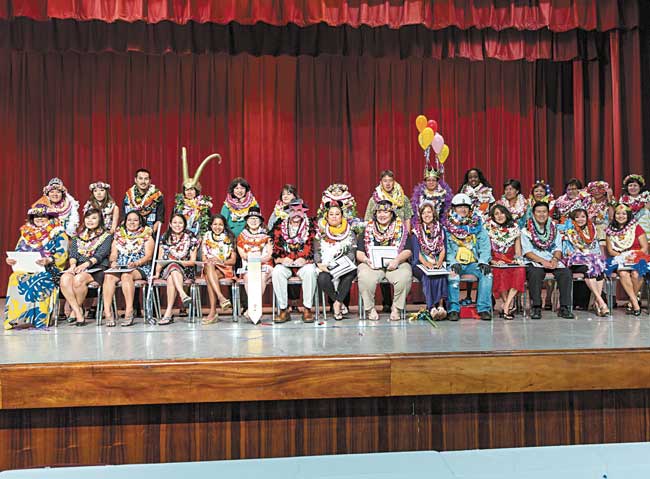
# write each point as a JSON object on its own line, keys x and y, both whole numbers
{"x": 307, "y": 120}
{"x": 556, "y": 15}
{"x": 262, "y": 39}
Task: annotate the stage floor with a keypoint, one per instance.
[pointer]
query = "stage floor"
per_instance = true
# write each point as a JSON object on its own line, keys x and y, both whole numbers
{"x": 350, "y": 337}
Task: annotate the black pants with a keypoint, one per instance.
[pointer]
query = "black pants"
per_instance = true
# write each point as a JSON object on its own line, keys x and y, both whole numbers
{"x": 325, "y": 283}
{"x": 535, "y": 277}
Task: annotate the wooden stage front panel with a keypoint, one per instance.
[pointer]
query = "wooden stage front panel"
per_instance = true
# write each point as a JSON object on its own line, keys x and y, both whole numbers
{"x": 106, "y": 413}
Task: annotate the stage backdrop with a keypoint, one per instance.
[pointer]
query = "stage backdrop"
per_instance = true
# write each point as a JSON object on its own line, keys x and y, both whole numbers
{"x": 312, "y": 103}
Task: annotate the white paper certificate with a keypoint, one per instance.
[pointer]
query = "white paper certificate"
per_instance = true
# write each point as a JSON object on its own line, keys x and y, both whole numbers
{"x": 26, "y": 261}
{"x": 380, "y": 256}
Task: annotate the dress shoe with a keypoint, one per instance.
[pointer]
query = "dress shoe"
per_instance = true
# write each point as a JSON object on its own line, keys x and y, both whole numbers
{"x": 307, "y": 315}
{"x": 536, "y": 313}
{"x": 283, "y": 317}
{"x": 565, "y": 313}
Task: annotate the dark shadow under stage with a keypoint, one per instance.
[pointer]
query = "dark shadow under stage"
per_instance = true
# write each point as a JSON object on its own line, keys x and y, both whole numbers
{"x": 97, "y": 395}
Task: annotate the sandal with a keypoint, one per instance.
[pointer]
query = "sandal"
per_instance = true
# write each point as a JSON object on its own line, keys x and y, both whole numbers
{"x": 508, "y": 315}
{"x": 394, "y": 315}
{"x": 372, "y": 315}
{"x": 210, "y": 319}
{"x": 187, "y": 301}
{"x": 225, "y": 304}
{"x": 166, "y": 320}
{"x": 71, "y": 319}
{"x": 338, "y": 316}
{"x": 110, "y": 322}
{"x": 127, "y": 321}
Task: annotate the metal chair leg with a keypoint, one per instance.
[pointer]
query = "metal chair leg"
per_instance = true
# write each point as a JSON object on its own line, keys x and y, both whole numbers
{"x": 100, "y": 307}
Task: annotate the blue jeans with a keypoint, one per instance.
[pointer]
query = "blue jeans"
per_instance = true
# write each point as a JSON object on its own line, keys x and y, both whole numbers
{"x": 484, "y": 302}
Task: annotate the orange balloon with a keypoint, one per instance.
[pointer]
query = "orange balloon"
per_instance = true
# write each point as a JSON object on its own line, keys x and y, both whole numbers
{"x": 421, "y": 123}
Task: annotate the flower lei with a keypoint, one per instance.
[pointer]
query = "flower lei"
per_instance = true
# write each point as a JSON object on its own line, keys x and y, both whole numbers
{"x": 143, "y": 203}
{"x": 566, "y": 205}
{"x": 541, "y": 240}
{"x": 440, "y": 198}
{"x": 393, "y": 235}
{"x": 253, "y": 241}
{"x": 333, "y": 234}
{"x": 239, "y": 208}
{"x": 63, "y": 208}
{"x": 431, "y": 238}
{"x": 179, "y": 249}
{"x": 517, "y": 211}
{"x": 623, "y": 239}
{"x": 347, "y": 200}
{"x": 300, "y": 236}
{"x": 636, "y": 203}
{"x": 128, "y": 242}
{"x": 579, "y": 239}
{"x": 597, "y": 211}
{"x": 219, "y": 246}
{"x": 279, "y": 212}
{"x": 197, "y": 209}
{"x": 88, "y": 241}
{"x": 462, "y": 227}
{"x": 37, "y": 237}
{"x": 107, "y": 212}
{"x": 502, "y": 237}
{"x": 479, "y": 195}
{"x": 396, "y": 196}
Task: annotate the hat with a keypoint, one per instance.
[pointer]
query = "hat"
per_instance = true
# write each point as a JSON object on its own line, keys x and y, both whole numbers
{"x": 333, "y": 204}
{"x": 461, "y": 199}
{"x": 99, "y": 184}
{"x": 41, "y": 209}
{"x": 55, "y": 184}
{"x": 384, "y": 205}
{"x": 432, "y": 173}
{"x": 296, "y": 208}
{"x": 597, "y": 186}
{"x": 254, "y": 212}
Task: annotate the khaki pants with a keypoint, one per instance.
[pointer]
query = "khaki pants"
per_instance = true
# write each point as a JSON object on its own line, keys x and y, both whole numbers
{"x": 369, "y": 279}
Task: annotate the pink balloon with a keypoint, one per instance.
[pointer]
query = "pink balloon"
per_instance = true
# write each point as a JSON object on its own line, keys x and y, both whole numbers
{"x": 438, "y": 142}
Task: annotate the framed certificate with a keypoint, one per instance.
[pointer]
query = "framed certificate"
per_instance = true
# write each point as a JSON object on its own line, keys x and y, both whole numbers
{"x": 381, "y": 256}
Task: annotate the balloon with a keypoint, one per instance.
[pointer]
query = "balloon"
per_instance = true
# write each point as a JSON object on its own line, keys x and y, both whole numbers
{"x": 437, "y": 143}
{"x": 444, "y": 153}
{"x": 421, "y": 122}
{"x": 433, "y": 124}
{"x": 427, "y": 136}
{"x": 423, "y": 145}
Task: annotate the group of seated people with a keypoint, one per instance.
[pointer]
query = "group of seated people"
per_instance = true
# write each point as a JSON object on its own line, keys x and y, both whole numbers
{"x": 435, "y": 236}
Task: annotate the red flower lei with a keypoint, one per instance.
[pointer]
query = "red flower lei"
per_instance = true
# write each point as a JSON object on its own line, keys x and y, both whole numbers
{"x": 431, "y": 240}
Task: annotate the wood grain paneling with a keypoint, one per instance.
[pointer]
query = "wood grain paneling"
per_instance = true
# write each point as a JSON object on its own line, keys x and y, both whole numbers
{"x": 226, "y": 380}
{"x": 232, "y": 430}
{"x": 101, "y": 384}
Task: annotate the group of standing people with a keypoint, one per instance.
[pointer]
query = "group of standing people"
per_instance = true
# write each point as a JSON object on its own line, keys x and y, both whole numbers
{"x": 500, "y": 244}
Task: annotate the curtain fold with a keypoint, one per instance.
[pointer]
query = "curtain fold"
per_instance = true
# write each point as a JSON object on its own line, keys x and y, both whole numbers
{"x": 262, "y": 39}
{"x": 556, "y": 15}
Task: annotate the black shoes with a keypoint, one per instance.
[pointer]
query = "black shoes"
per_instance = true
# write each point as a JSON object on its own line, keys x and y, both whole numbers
{"x": 485, "y": 316}
{"x": 565, "y": 313}
{"x": 536, "y": 313}
{"x": 453, "y": 316}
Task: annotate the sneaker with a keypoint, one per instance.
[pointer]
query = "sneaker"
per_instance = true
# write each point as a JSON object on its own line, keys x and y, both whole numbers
{"x": 565, "y": 313}
{"x": 453, "y": 316}
{"x": 485, "y": 316}
{"x": 536, "y": 313}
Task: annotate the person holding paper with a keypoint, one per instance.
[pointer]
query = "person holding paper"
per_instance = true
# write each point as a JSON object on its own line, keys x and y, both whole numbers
{"x": 541, "y": 244}
{"x": 89, "y": 251}
{"x": 178, "y": 245}
{"x": 219, "y": 256}
{"x": 627, "y": 246}
{"x": 468, "y": 252}
{"x": 508, "y": 270}
{"x": 336, "y": 240}
{"x": 131, "y": 254}
{"x": 293, "y": 253}
{"x": 255, "y": 239}
{"x": 29, "y": 295}
{"x": 387, "y": 230}
{"x": 428, "y": 243}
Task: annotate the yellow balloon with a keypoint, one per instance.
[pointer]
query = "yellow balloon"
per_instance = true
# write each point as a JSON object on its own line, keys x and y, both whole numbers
{"x": 421, "y": 123}
{"x": 427, "y": 136}
{"x": 421, "y": 142}
{"x": 444, "y": 153}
